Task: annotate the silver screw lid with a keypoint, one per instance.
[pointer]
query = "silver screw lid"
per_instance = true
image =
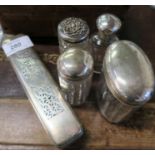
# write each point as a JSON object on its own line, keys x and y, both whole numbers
{"x": 108, "y": 23}
{"x": 75, "y": 64}
{"x": 128, "y": 73}
{"x": 73, "y": 29}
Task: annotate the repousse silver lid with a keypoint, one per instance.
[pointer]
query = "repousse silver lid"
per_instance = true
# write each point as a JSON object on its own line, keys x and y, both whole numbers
{"x": 128, "y": 73}
{"x": 108, "y": 22}
{"x": 75, "y": 64}
{"x": 73, "y": 29}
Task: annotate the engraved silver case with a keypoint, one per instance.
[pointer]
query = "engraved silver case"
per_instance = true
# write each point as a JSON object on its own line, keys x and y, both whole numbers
{"x": 53, "y": 111}
{"x": 75, "y": 69}
{"x": 73, "y": 32}
{"x": 126, "y": 82}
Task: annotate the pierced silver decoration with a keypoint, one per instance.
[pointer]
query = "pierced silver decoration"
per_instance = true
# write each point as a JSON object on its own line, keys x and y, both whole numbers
{"x": 73, "y": 32}
{"x": 54, "y": 113}
{"x": 48, "y": 101}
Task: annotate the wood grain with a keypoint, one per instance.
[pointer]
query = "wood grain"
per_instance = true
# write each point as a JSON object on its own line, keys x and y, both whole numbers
{"x": 21, "y": 129}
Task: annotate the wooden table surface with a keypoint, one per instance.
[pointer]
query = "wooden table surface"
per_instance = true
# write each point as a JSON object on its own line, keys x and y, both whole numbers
{"x": 21, "y": 129}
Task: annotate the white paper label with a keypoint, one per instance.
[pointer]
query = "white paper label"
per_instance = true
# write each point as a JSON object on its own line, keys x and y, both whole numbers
{"x": 17, "y": 45}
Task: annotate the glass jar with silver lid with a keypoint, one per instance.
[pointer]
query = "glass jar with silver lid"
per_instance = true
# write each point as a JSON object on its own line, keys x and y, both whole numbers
{"x": 127, "y": 81}
{"x": 107, "y": 25}
{"x": 73, "y": 32}
{"x": 75, "y": 70}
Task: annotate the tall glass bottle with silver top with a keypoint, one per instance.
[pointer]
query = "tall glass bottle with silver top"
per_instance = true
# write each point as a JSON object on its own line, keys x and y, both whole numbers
{"x": 73, "y": 32}
{"x": 127, "y": 81}
{"x": 53, "y": 111}
{"x": 107, "y": 25}
{"x": 75, "y": 69}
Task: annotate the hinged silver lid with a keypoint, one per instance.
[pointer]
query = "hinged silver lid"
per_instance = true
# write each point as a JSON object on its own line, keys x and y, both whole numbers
{"x": 73, "y": 29}
{"x": 75, "y": 64}
{"x": 108, "y": 23}
{"x": 128, "y": 73}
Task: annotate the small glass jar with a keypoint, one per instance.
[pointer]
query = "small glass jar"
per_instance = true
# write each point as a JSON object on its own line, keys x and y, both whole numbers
{"x": 126, "y": 82}
{"x": 75, "y": 70}
{"x": 73, "y": 32}
{"x": 107, "y": 25}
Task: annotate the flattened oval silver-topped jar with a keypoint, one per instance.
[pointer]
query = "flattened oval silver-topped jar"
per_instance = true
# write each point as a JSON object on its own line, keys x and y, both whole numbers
{"x": 127, "y": 81}
{"x": 75, "y": 69}
{"x": 73, "y": 32}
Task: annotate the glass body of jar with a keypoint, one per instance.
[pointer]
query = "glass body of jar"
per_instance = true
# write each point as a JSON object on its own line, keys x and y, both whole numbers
{"x": 99, "y": 45}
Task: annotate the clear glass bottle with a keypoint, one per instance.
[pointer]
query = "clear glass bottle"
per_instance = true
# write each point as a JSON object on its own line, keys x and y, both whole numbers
{"x": 107, "y": 25}
{"x": 75, "y": 70}
{"x": 73, "y": 32}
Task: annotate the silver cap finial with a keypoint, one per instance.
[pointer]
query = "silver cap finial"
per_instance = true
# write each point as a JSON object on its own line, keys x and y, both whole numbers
{"x": 108, "y": 23}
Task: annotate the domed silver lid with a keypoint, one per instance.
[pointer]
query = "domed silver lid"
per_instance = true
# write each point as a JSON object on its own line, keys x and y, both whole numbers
{"x": 73, "y": 29}
{"x": 108, "y": 23}
{"x": 128, "y": 73}
{"x": 75, "y": 64}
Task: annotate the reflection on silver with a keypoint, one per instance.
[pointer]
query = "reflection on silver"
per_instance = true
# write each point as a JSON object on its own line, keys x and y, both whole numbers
{"x": 108, "y": 23}
{"x": 127, "y": 81}
{"x": 75, "y": 68}
{"x": 54, "y": 113}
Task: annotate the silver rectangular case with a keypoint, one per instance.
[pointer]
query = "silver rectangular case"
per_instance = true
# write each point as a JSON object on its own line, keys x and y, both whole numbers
{"x": 54, "y": 113}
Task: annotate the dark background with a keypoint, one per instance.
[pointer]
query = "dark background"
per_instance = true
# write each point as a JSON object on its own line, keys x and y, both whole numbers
{"x": 40, "y": 22}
